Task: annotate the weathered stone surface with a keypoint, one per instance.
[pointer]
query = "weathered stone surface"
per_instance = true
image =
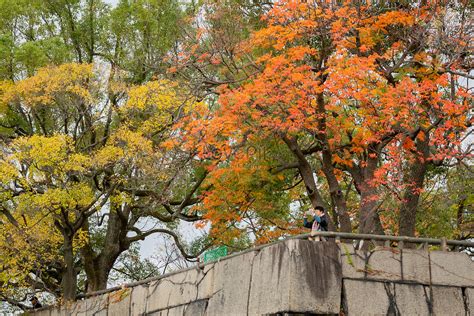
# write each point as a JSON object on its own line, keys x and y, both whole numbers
{"x": 205, "y": 282}
{"x": 64, "y": 310}
{"x": 79, "y": 308}
{"x": 174, "y": 311}
{"x": 307, "y": 275}
{"x": 316, "y": 279}
{"x": 469, "y": 297}
{"x": 44, "y": 312}
{"x": 298, "y": 277}
{"x": 181, "y": 288}
{"x": 138, "y": 299}
{"x": 197, "y": 308}
{"x": 119, "y": 302}
{"x": 72, "y": 309}
{"x": 55, "y": 311}
{"x": 452, "y": 269}
{"x": 275, "y": 261}
{"x": 447, "y": 301}
{"x": 411, "y": 299}
{"x": 381, "y": 264}
{"x": 415, "y": 266}
{"x": 97, "y": 305}
{"x": 231, "y": 286}
{"x": 366, "y": 298}
{"x": 351, "y": 263}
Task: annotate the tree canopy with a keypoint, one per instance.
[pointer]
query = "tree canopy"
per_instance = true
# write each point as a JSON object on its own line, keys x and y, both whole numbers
{"x": 120, "y": 122}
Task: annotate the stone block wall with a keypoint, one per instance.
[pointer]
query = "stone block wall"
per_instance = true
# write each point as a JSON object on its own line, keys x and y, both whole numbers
{"x": 300, "y": 277}
{"x": 406, "y": 282}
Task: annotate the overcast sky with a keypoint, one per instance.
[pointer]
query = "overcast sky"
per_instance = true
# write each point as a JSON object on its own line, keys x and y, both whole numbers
{"x": 111, "y": 1}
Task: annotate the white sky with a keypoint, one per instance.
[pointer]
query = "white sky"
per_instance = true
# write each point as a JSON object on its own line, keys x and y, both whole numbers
{"x": 113, "y": 2}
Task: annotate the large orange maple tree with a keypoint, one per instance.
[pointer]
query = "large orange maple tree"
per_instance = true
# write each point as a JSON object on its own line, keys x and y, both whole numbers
{"x": 371, "y": 92}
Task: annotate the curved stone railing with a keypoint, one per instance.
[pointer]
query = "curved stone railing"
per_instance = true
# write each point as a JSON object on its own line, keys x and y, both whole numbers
{"x": 302, "y": 276}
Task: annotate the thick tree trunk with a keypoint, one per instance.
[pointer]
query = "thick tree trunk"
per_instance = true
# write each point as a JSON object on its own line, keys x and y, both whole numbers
{"x": 368, "y": 209}
{"x": 369, "y": 221}
{"x": 98, "y": 266}
{"x": 308, "y": 178}
{"x": 336, "y": 194}
{"x": 337, "y": 198}
{"x": 97, "y": 280}
{"x": 415, "y": 178}
{"x": 69, "y": 277}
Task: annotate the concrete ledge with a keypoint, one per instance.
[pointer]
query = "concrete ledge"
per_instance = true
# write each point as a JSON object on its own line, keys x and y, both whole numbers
{"x": 411, "y": 299}
{"x": 307, "y": 275}
{"x": 448, "y": 301}
{"x": 415, "y": 266}
{"x": 366, "y": 298}
{"x": 297, "y": 277}
{"x": 180, "y": 289}
{"x": 139, "y": 298}
{"x": 469, "y": 300}
{"x": 452, "y": 269}
{"x": 408, "y": 266}
{"x": 198, "y": 308}
{"x": 44, "y": 312}
{"x": 381, "y": 264}
{"x": 120, "y": 302}
{"x": 98, "y": 305}
{"x": 231, "y": 286}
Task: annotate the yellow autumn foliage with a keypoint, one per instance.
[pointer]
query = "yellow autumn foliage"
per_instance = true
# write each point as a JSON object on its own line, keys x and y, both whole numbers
{"x": 153, "y": 106}
{"x": 52, "y": 177}
{"x": 38, "y": 166}
{"x": 72, "y": 80}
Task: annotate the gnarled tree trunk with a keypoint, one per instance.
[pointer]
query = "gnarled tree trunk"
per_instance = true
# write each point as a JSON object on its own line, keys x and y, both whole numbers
{"x": 98, "y": 265}
{"x": 69, "y": 275}
{"x": 414, "y": 179}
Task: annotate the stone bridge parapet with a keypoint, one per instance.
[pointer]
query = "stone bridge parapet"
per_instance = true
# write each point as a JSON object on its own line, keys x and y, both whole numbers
{"x": 300, "y": 277}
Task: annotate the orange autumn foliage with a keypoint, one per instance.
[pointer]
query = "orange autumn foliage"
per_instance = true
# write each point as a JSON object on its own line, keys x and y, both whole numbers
{"x": 370, "y": 86}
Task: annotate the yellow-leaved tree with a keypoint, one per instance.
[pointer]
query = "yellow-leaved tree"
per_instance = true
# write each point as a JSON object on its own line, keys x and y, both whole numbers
{"x": 81, "y": 174}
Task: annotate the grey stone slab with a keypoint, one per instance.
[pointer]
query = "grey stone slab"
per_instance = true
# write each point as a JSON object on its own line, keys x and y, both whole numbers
{"x": 366, "y": 297}
{"x": 231, "y": 285}
{"x": 119, "y": 302}
{"x": 97, "y": 305}
{"x": 415, "y": 266}
{"x": 382, "y": 264}
{"x": 451, "y": 269}
{"x": 297, "y": 276}
{"x": 43, "y": 312}
{"x": 56, "y": 311}
{"x": 411, "y": 299}
{"x": 205, "y": 282}
{"x": 181, "y": 288}
{"x": 175, "y": 311}
{"x": 447, "y": 301}
{"x": 469, "y": 298}
{"x": 270, "y": 286}
{"x": 351, "y": 263}
{"x": 197, "y": 308}
{"x": 316, "y": 280}
{"x": 138, "y": 300}
{"x": 159, "y": 313}
{"x": 79, "y": 308}
{"x": 65, "y": 309}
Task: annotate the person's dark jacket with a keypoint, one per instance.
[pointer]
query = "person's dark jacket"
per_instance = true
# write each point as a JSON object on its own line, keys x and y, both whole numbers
{"x": 322, "y": 221}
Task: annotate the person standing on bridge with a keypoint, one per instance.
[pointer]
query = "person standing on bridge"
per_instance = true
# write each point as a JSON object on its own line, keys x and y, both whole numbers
{"x": 316, "y": 220}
